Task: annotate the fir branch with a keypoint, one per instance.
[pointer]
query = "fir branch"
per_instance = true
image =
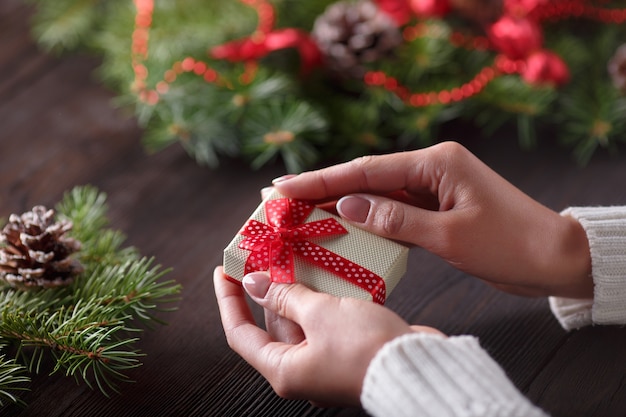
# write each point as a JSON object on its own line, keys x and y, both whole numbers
{"x": 65, "y": 24}
{"x": 12, "y": 379}
{"x": 286, "y": 128}
{"x": 205, "y": 136}
{"x": 509, "y": 100}
{"x": 86, "y": 208}
{"x": 133, "y": 288}
{"x": 89, "y": 328}
{"x": 78, "y": 337}
{"x": 593, "y": 118}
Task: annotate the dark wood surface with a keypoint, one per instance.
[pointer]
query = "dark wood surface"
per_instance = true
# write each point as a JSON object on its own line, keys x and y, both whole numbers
{"x": 58, "y": 129}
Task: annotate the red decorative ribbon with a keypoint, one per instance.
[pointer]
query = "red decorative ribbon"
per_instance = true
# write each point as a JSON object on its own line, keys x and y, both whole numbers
{"x": 274, "y": 245}
{"x": 267, "y": 39}
{"x": 254, "y": 48}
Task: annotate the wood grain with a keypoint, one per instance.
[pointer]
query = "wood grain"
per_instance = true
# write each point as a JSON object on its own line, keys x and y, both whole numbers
{"x": 59, "y": 130}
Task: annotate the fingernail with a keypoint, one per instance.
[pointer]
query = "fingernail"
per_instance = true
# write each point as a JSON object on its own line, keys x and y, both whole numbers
{"x": 354, "y": 208}
{"x": 283, "y": 178}
{"x": 256, "y": 284}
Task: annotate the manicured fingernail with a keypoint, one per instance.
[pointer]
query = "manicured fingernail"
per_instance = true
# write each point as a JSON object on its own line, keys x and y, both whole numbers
{"x": 256, "y": 284}
{"x": 283, "y": 178}
{"x": 354, "y": 208}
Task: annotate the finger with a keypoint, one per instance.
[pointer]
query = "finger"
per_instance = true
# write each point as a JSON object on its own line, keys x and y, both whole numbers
{"x": 294, "y": 302}
{"x": 242, "y": 333}
{"x": 391, "y": 218}
{"x": 281, "y": 329}
{"x": 253, "y": 344}
{"x": 381, "y": 174}
{"x": 328, "y": 206}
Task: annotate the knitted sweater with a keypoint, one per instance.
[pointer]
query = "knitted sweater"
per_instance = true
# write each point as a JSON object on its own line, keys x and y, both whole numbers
{"x": 430, "y": 375}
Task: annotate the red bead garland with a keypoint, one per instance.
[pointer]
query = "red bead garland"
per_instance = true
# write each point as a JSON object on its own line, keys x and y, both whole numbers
{"x": 465, "y": 91}
{"x": 140, "y": 41}
{"x": 266, "y": 13}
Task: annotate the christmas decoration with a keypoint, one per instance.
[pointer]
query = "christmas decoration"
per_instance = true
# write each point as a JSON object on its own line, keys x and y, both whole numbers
{"x": 295, "y": 241}
{"x": 329, "y": 80}
{"x": 76, "y": 307}
{"x": 350, "y": 35}
{"x": 36, "y": 252}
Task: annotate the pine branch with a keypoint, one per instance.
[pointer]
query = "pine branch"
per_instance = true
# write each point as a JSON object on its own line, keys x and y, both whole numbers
{"x": 66, "y": 24}
{"x": 89, "y": 328}
{"x": 286, "y": 128}
{"x": 12, "y": 380}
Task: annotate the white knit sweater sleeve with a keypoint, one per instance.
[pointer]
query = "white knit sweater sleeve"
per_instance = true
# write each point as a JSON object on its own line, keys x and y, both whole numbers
{"x": 606, "y": 231}
{"x": 430, "y": 375}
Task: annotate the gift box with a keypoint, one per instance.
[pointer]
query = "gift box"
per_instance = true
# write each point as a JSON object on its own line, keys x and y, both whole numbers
{"x": 297, "y": 242}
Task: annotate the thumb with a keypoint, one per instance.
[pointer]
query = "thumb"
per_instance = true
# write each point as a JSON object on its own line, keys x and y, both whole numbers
{"x": 292, "y": 301}
{"x": 388, "y": 218}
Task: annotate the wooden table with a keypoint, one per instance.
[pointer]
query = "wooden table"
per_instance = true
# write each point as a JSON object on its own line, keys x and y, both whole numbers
{"x": 58, "y": 129}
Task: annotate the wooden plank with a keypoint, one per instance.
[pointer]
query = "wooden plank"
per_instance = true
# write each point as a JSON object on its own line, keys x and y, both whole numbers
{"x": 591, "y": 366}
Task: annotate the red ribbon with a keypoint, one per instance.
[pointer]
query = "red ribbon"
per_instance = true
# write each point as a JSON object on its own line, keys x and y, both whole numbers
{"x": 274, "y": 245}
{"x": 251, "y": 48}
{"x": 267, "y": 39}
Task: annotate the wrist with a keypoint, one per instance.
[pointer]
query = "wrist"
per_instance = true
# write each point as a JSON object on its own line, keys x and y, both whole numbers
{"x": 573, "y": 260}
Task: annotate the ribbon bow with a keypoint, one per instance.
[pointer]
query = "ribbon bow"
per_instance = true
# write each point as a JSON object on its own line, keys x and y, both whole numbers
{"x": 274, "y": 245}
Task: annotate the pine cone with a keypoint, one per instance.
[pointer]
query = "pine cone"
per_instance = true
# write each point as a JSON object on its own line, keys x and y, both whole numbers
{"x": 353, "y": 34}
{"x": 617, "y": 68}
{"x": 34, "y": 252}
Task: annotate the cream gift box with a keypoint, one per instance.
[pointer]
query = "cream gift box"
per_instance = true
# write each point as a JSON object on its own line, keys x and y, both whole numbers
{"x": 296, "y": 241}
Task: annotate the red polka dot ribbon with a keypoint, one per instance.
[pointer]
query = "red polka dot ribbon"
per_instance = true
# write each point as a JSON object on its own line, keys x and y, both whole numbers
{"x": 274, "y": 245}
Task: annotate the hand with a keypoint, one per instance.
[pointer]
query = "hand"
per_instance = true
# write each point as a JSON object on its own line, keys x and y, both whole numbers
{"x": 445, "y": 200}
{"x": 320, "y": 346}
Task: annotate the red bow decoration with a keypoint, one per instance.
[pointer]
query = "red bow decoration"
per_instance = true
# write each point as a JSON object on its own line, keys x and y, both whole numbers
{"x": 267, "y": 39}
{"x": 253, "y": 48}
{"x": 274, "y": 245}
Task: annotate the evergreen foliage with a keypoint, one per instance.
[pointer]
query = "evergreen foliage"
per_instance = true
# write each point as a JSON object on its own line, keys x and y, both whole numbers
{"x": 334, "y": 118}
{"x": 89, "y": 329}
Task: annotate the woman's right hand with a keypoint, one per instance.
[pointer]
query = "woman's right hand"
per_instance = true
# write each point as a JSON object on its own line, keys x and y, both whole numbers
{"x": 323, "y": 354}
{"x": 447, "y": 201}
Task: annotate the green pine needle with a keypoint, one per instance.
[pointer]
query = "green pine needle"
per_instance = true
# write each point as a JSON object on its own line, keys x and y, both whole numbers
{"x": 13, "y": 379}
{"x": 286, "y": 128}
{"x": 66, "y": 24}
{"x": 88, "y": 329}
